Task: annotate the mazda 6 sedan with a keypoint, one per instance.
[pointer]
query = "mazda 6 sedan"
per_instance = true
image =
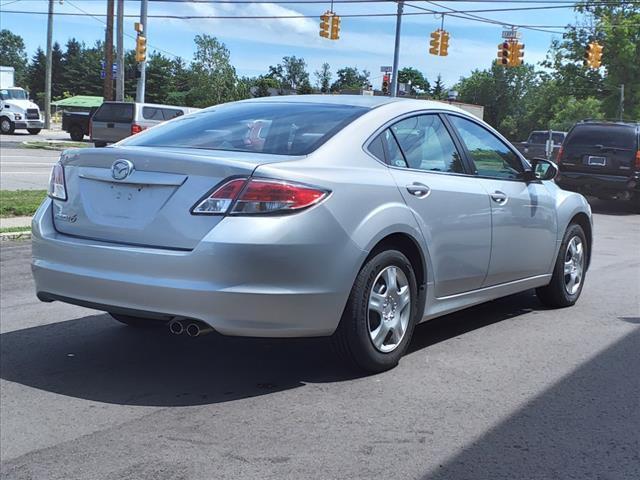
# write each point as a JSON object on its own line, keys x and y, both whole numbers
{"x": 343, "y": 216}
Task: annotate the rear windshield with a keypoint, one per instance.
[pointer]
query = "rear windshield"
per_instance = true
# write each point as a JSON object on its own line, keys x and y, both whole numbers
{"x": 275, "y": 128}
{"x": 114, "y": 112}
{"x": 617, "y": 136}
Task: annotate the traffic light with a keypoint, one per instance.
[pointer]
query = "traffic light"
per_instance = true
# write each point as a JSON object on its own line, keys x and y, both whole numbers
{"x": 444, "y": 43}
{"x": 141, "y": 48}
{"x": 593, "y": 55}
{"x": 517, "y": 54}
{"x": 504, "y": 53}
{"x": 335, "y": 27}
{"x": 385, "y": 84}
{"x": 435, "y": 43}
{"x": 325, "y": 20}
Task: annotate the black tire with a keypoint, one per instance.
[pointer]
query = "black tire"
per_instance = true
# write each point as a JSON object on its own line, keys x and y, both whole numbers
{"x": 7, "y": 127}
{"x": 76, "y": 133}
{"x": 555, "y": 294}
{"x": 138, "y": 322}
{"x": 34, "y": 131}
{"x": 351, "y": 339}
{"x": 99, "y": 144}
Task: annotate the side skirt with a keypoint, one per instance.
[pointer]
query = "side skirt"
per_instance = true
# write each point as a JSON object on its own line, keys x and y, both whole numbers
{"x": 437, "y": 307}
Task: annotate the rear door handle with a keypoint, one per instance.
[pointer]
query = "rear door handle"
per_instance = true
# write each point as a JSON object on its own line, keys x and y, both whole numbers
{"x": 418, "y": 190}
{"x": 499, "y": 197}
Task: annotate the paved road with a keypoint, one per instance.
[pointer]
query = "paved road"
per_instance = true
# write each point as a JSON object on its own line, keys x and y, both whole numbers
{"x": 507, "y": 390}
{"x": 23, "y": 168}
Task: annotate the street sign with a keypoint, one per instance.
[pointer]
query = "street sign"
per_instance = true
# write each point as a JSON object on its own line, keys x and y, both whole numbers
{"x": 511, "y": 34}
{"x": 386, "y": 69}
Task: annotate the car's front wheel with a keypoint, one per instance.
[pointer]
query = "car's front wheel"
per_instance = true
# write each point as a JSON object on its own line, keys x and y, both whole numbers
{"x": 569, "y": 271}
{"x": 34, "y": 131}
{"x": 378, "y": 321}
{"x": 7, "y": 127}
{"x": 138, "y": 322}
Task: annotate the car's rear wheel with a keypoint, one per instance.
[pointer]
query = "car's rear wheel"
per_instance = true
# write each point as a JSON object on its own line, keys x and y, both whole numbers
{"x": 76, "y": 133}
{"x": 569, "y": 271}
{"x": 378, "y": 321}
{"x": 99, "y": 144}
{"x": 138, "y": 322}
{"x": 34, "y": 131}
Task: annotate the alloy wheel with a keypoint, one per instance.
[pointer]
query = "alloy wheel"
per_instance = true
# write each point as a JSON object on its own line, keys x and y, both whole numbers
{"x": 389, "y": 309}
{"x": 573, "y": 265}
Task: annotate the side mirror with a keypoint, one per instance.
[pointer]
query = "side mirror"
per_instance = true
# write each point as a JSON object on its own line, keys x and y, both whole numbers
{"x": 543, "y": 169}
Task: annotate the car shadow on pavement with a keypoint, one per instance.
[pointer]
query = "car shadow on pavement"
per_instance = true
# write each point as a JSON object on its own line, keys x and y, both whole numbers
{"x": 98, "y": 359}
{"x": 585, "y": 426}
{"x": 612, "y": 207}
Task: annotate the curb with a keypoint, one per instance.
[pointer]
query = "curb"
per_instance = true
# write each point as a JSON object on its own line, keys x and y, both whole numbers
{"x": 23, "y": 235}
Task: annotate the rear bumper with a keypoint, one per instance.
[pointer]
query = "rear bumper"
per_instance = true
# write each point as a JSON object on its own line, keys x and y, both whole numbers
{"x": 597, "y": 184}
{"x": 255, "y": 282}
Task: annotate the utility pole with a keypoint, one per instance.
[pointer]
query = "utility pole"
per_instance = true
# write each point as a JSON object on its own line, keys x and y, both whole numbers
{"x": 622, "y": 102}
{"x": 396, "y": 51}
{"x": 142, "y": 65}
{"x": 47, "y": 79}
{"x": 120, "y": 52}
{"x": 108, "y": 54}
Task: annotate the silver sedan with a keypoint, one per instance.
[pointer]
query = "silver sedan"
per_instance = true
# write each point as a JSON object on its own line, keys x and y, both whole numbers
{"x": 342, "y": 216}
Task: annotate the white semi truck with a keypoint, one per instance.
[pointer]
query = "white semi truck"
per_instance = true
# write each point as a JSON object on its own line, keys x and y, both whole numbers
{"x": 16, "y": 110}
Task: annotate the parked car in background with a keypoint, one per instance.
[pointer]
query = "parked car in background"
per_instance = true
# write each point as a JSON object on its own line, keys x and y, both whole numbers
{"x": 114, "y": 121}
{"x": 314, "y": 215}
{"x": 602, "y": 159}
{"x": 77, "y": 124}
{"x": 537, "y": 145}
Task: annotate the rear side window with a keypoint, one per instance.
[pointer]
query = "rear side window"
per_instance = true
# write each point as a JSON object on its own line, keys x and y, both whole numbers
{"x": 427, "y": 145}
{"x": 170, "y": 113}
{"x": 617, "y": 136}
{"x": 152, "y": 113}
{"x": 114, "y": 112}
{"x": 270, "y": 127}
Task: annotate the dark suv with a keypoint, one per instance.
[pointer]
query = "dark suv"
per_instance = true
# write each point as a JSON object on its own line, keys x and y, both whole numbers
{"x": 602, "y": 159}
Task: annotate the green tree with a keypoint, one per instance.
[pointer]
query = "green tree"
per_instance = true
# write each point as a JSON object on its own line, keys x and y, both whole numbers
{"x": 57, "y": 72}
{"x": 438, "y": 91}
{"x": 13, "y": 54}
{"x": 571, "y": 110}
{"x": 262, "y": 84}
{"x": 36, "y": 75}
{"x": 291, "y": 74}
{"x": 350, "y": 78}
{"x": 323, "y": 78}
{"x": 213, "y": 79}
{"x": 415, "y": 78}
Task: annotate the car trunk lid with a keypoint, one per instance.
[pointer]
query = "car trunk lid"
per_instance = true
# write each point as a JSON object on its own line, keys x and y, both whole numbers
{"x": 150, "y": 206}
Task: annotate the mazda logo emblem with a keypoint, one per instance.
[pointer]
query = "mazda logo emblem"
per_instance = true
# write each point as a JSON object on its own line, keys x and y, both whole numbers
{"x": 121, "y": 169}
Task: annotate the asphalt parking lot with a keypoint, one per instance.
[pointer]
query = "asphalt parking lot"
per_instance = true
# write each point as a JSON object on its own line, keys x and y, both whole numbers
{"x": 506, "y": 390}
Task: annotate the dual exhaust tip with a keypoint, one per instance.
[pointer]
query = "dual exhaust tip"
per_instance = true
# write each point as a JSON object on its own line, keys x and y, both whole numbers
{"x": 190, "y": 327}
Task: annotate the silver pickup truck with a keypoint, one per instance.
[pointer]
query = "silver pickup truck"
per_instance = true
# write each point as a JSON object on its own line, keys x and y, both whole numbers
{"x": 541, "y": 144}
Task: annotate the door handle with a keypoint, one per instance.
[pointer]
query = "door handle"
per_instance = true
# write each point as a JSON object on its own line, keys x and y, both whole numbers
{"x": 418, "y": 190}
{"x": 499, "y": 197}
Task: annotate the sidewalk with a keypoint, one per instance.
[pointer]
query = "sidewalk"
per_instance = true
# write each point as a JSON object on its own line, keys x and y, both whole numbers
{"x": 14, "y": 222}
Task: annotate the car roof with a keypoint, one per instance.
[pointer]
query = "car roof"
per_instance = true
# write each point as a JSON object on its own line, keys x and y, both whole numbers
{"x": 366, "y": 101}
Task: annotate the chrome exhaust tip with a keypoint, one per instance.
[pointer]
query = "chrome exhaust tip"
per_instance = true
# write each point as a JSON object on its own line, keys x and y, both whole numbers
{"x": 176, "y": 327}
{"x": 197, "y": 330}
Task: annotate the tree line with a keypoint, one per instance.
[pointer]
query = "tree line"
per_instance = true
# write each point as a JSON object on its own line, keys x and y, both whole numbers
{"x": 554, "y": 94}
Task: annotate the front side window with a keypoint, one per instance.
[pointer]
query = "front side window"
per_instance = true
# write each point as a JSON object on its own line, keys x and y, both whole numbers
{"x": 152, "y": 113}
{"x": 427, "y": 145}
{"x": 285, "y": 128}
{"x": 492, "y": 157}
{"x": 170, "y": 113}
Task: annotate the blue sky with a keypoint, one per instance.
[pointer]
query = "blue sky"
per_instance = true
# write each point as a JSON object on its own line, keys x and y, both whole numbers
{"x": 256, "y": 44}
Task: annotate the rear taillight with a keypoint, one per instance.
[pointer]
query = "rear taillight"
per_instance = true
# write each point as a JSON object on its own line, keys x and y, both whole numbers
{"x": 90, "y": 127}
{"x": 638, "y": 160}
{"x": 559, "y": 156}
{"x": 57, "y": 187}
{"x": 136, "y": 129}
{"x": 242, "y": 196}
